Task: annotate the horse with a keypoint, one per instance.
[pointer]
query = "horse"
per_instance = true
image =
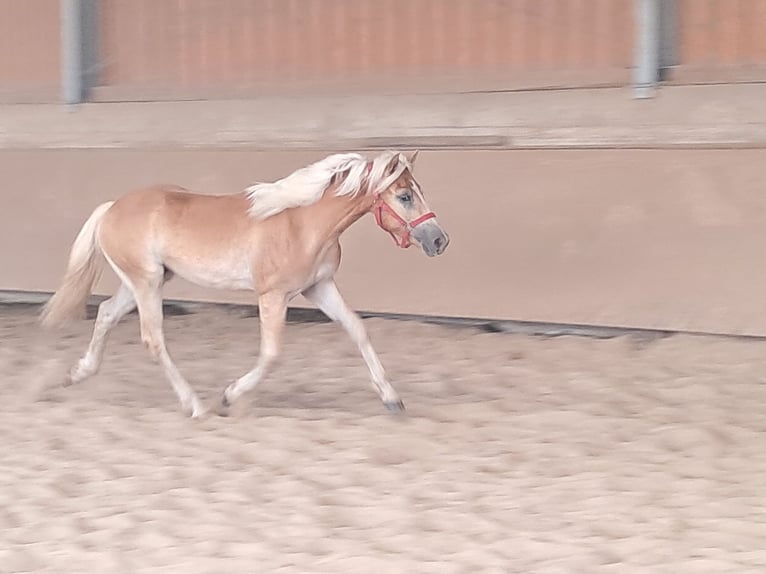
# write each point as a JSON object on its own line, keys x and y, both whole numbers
{"x": 277, "y": 239}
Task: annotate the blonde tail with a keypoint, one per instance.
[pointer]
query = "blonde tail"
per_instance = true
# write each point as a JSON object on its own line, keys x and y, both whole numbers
{"x": 82, "y": 272}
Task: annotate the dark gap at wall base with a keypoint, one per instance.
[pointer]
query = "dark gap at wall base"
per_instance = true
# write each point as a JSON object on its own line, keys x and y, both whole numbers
{"x": 298, "y": 315}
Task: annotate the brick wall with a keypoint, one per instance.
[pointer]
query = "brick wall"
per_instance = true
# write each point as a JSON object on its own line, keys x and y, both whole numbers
{"x": 210, "y": 46}
{"x": 29, "y": 50}
{"x": 179, "y": 49}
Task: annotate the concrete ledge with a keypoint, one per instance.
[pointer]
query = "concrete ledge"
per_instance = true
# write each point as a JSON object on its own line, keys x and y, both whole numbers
{"x": 679, "y": 116}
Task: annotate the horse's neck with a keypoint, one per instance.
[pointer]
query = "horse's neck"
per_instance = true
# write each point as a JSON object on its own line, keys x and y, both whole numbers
{"x": 330, "y": 217}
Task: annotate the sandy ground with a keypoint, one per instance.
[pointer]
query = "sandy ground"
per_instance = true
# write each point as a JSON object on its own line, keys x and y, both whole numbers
{"x": 517, "y": 454}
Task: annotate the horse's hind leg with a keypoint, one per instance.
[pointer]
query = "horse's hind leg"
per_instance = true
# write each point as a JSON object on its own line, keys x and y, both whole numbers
{"x": 149, "y": 299}
{"x": 110, "y": 312}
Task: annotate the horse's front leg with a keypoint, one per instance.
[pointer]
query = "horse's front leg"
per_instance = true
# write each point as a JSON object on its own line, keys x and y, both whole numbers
{"x": 326, "y": 296}
{"x": 272, "y": 310}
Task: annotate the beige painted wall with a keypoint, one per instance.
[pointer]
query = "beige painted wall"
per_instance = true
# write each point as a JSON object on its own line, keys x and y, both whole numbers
{"x": 651, "y": 238}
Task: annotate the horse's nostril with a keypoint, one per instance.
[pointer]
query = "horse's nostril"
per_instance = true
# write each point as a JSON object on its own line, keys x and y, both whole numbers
{"x": 438, "y": 242}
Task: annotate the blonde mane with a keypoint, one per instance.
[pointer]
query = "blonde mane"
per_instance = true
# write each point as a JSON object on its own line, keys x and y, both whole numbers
{"x": 308, "y": 184}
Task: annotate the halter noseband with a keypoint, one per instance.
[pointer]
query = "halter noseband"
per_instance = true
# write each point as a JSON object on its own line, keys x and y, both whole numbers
{"x": 379, "y": 206}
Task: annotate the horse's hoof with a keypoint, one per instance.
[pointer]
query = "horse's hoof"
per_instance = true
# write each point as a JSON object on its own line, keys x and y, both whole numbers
{"x": 224, "y": 407}
{"x": 394, "y": 406}
{"x": 70, "y": 378}
{"x": 193, "y": 409}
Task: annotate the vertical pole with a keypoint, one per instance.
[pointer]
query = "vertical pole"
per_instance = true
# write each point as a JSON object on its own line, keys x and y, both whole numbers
{"x": 646, "y": 70}
{"x": 668, "y": 34}
{"x": 72, "y": 85}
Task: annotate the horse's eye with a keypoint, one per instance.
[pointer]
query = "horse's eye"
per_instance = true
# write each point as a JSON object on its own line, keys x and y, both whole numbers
{"x": 405, "y": 198}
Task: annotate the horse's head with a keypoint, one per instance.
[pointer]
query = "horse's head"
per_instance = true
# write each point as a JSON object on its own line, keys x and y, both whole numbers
{"x": 402, "y": 211}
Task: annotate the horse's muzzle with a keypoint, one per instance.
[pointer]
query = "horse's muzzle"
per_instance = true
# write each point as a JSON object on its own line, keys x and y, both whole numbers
{"x": 431, "y": 237}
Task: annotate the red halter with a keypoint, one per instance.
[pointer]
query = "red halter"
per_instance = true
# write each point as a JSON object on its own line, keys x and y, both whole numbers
{"x": 380, "y": 206}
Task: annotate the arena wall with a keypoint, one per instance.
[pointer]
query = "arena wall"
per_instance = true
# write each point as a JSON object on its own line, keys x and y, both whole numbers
{"x": 640, "y": 238}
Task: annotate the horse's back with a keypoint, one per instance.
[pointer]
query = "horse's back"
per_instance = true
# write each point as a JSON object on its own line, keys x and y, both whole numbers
{"x": 166, "y": 208}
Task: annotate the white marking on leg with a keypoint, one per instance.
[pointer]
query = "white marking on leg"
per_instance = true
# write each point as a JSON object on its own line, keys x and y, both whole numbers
{"x": 149, "y": 301}
{"x": 272, "y": 309}
{"x": 327, "y": 297}
{"x": 110, "y": 312}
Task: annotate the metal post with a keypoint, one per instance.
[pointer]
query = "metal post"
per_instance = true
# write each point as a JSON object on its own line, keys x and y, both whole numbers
{"x": 668, "y": 35}
{"x": 72, "y": 85}
{"x": 646, "y": 71}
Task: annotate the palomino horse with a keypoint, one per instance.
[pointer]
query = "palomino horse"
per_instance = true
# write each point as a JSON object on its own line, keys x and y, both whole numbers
{"x": 279, "y": 239}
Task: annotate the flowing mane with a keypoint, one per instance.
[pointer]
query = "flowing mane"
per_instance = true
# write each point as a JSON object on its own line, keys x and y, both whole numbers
{"x": 307, "y": 185}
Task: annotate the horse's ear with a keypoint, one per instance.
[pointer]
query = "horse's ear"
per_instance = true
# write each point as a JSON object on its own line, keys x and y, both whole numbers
{"x": 413, "y": 157}
{"x": 393, "y": 165}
